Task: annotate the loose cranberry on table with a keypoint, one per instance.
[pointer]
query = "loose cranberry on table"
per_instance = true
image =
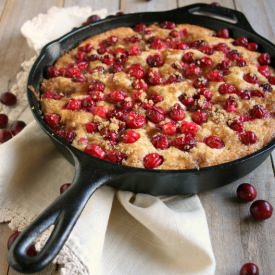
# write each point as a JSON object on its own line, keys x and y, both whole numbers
{"x": 31, "y": 251}
{"x": 246, "y": 192}
{"x": 261, "y": 210}
{"x": 91, "y": 19}
{"x": 249, "y": 269}
{"x": 8, "y": 99}
{"x": 5, "y": 135}
{"x": 152, "y": 160}
{"x": 17, "y": 126}
{"x": 3, "y": 121}
{"x": 64, "y": 187}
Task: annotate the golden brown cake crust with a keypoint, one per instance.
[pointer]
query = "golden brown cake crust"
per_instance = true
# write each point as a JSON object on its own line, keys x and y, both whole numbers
{"x": 178, "y": 83}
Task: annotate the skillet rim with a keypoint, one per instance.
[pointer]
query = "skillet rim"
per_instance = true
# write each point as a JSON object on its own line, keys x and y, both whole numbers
{"x": 38, "y": 115}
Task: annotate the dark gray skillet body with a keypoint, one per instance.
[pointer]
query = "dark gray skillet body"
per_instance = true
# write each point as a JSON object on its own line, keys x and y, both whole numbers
{"x": 91, "y": 173}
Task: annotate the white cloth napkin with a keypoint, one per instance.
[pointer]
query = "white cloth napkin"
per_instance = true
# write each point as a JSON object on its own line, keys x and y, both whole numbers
{"x": 118, "y": 233}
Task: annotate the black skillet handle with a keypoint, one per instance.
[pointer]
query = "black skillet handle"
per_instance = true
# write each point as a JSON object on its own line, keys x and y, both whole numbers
{"x": 229, "y": 15}
{"x": 62, "y": 214}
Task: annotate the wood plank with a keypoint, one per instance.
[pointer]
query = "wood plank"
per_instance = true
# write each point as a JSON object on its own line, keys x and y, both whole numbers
{"x": 224, "y": 3}
{"x": 236, "y": 238}
{"x": 4, "y": 234}
{"x": 260, "y": 14}
{"x": 112, "y": 6}
{"x": 137, "y": 6}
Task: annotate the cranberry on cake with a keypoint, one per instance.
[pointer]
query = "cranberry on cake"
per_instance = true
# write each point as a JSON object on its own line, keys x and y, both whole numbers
{"x": 163, "y": 96}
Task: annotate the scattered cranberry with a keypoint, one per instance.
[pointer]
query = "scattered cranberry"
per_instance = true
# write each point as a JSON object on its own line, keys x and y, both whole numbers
{"x": 177, "y": 112}
{"x": 152, "y": 160}
{"x": 189, "y": 128}
{"x": 135, "y": 120}
{"x": 52, "y": 95}
{"x": 251, "y": 78}
{"x": 192, "y": 70}
{"x": 52, "y": 120}
{"x": 261, "y": 210}
{"x": 237, "y": 126}
{"x": 248, "y": 137}
{"x": 31, "y": 251}
{"x": 266, "y": 87}
{"x": 252, "y": 46}
{"x": 160, "y": 141}
{"x": 115, "y": 157}
{"x": 64, "y": 187}
{"x": 8, "y": 99}
{"x": 155, "y": 114}
{"x": 154, "y": 60}
{"x": 74, "y": 104}
{"x": 5, "y": 135}
{"x": 184, "y": 143}
{"x": 134, "y": 50}
{"x": 141, "y": 27}
{"x": 245, "y": 94}
{"x": 205, "y": 61}
{"x": 188, "y": 57}
{"x": 271, "y": 80}
{"x": 137, "y": 71}
{"x": 169, "y": 128}
{"x": 68, "y": 134}
{"x": 17, "y": 126}
{"x": 130, "y": 136}
{"x": 215, "y": 75}
{"x": 264, "y": 59}
{"x": 206, "y": 93}
{"x": 168, "y": 25}
{"x": 3, "y": 121}
{"x": 140, "y": 84}
{"x": 241, "y": 41}
{"x": 246, "y": 192}
{"x": 154, "y": 77}
{"x": 187, "y": 101}
{"x": 117, "y": 96}
{"x": 95, "y": 151}
{"x": 230, "y": 104}
{"x": 214, "y": 142}
{"x": 199, "y": 117}
{"x": 90, "y": 127}
{"x": 200, "y": 82}
{"x": 258, "y": 111}
{"x": 264, "y": 70}
{"x": 249, "y": 269}
{"x": 223, "y": 33}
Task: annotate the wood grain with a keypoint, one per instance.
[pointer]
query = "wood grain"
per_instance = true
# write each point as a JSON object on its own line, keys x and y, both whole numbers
{"x": 235, "y": 237}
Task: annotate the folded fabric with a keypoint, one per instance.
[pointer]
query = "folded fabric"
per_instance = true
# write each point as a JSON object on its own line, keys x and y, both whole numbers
{"x": 118, "y": 233}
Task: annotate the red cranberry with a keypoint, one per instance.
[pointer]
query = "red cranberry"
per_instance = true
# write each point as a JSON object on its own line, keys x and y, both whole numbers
{"x": 17, "y": 126}
{"x": 95, "y": 151}
{"x": 230, "y": 105}
{"x": 53, "y": 71}
{"x": 134, "y": 50}
{"x": 189, "y": 128}
{"x": 241, "y": 62}
{"x": 215, "y": 75}
{"x": 125, "y": 104}
{"x": 167, "y": 25}
{"x": 140, "y": 84}
{"x": 137, "y": 71}
{"x": 184, "y": 143}
{"x": 96, "y": 85}
{"x": 245, "y": 94}
{"x": 248, "y": 137}
{"x": 246, "y": 192}
{"x": 90, "y": 127}
{"x": 214, "y": 142}
{"x": 223, "y": 33}
{"x": 271, "y": 80}
{"x": 252, "y": 46}
{"x": 251, "y": 78}
{"x": 205, "y": 61}
{"x": 160, "y": 141}
{"x": 5, "y": 135}
{"x": 140, "y": 27}
{"x": 152, "y": 160}
{"x": 115, "y": 157}
{"x": 130, "y": 136}
{"x": 261, "y": 210}
{"x": 258, "y": 111}
{"x": 157, "y": 44}
{"x": 31, "y": 251}
{"x": 257, "y": 93}
{"x": 192, "y": 70}
{"x": 199, "y": 117}
{"x": 177, "y": 112}
{"x": 237, "y": 126}
{"x": 67, "y": 134}
{"x": 264, "y": 70}
{"x": 188, "y": 57}
{"x": 154, "y": 77}
{"x": 8, "y": 99}
{"x": 266, "y": 87}
{"x": 91, "y": 19}
{"x": 64, "y": 187}
{"x": 156, "y": 98}
{"x": 155, "y": 114}
{"x": 168, "y": 128}
{"x": 108, "y": 59}
{"x": 52, "y": 95}
{"x": 206, "y": 93}
{"x": 135, "y": 120}
{"x": 249, "y": 269}
{"x": 117, "y": 95}
{"x": 187, "y": 101}
{"x": 233, "y": 55}
{"x": 3, "y": 121}
{"x": 100, "y": 111}
{"x": 241, "y": 41}
{"x": 154, "y": 60}
{"x": 222, "y": 47}
{"x": 200, "y": 82}
{"x": 74, "y": 104}
{"x": 52, "y": 120}
{"x": 174, "y": 78}
{"x": 264, "y": 59}
{"x": 96, "y": 95}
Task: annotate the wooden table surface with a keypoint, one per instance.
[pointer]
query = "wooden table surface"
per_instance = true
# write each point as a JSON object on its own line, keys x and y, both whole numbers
{"x": 235, "y": 238}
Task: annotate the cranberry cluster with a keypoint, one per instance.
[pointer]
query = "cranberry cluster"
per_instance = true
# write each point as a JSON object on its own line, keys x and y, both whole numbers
{"x": 134, "y": 110}
{"x": 9, "y": 99}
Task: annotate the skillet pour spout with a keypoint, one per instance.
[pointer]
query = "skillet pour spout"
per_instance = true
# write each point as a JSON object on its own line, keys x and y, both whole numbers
{"x": 92, "y": 173}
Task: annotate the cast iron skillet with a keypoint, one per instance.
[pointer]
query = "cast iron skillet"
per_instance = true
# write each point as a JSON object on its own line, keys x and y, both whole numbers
{"x": 91, "y": 173}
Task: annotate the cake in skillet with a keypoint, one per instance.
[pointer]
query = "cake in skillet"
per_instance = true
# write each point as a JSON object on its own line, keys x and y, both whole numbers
{"x": 164, "y": 96}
